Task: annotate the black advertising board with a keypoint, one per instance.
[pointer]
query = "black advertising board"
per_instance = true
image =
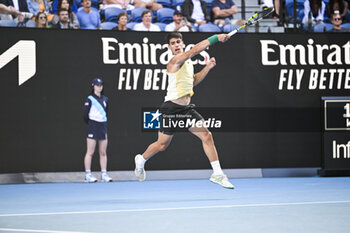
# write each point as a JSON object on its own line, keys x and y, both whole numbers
{"x": 46, "y": 76}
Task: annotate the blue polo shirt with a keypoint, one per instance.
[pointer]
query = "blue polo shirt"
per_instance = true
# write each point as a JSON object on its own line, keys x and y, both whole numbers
{"x": 89, "y": 20}
{"x": 227, "y": 5}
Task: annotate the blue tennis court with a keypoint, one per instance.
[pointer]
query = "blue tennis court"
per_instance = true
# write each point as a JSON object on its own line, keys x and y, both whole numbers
{"x": 278, "y": 205}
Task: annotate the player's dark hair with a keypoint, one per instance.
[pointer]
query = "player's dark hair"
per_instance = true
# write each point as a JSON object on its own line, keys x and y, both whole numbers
{"x": 172, "y": 35}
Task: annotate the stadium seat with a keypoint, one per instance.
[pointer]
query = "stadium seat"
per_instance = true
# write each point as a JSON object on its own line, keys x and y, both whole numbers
{"x": 7, "y": 23}
{"x": 322, "y": 27}
{"x": 328, "y": 26}
{"x": 348, "y": 17}
{"x": 346, "y": 25}
{"x": 319, "y": 28}
{"x": 165, "y": 3}
{"x": 108, "y": 25}
{"x": 230, "y": 27}
{"x": 177, "y": 4}
{"x": 301, "y": 14}
{"x": 290, "y": 9}
{"x": 136, "y": 14}
{"x": 209, "y": 27}
{"x": 165, "y": 15}
{"x": 95, "y": 4}
{"x": 209, "y": 3}
{"x": 131, "y": 25}
{"x": 111, "y": 13}
{"x": 161, "y": 26}
{"x": 30, "y": 24}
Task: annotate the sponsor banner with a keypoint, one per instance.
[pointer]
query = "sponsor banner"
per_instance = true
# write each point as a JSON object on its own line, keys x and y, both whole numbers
{"x": 310, "y": 65}
{"x": 233, "y": 119}
{"x": 47, "y": 74}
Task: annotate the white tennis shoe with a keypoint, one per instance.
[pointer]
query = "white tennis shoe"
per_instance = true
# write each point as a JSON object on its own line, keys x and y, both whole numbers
{"x": 90, "y": 178}
{"x": 139, "y": 171}
{"x": 105, "y": 178}
{"x": 221, "y": 180}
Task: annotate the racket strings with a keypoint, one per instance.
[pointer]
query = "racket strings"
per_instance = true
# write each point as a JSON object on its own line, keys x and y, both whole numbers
{"x": 254, "y": 18}
{"x": 260, "y": 15}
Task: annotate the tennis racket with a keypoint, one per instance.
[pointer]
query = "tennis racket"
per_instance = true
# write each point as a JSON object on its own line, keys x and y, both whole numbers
{"x": 255, "y": 18}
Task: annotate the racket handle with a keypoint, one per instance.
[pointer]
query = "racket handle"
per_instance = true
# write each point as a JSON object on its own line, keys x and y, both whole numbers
{"x": 233, "y": 32}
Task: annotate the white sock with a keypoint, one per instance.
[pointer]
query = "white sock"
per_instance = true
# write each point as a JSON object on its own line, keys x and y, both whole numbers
{"x": 216, "y": 167}
{"x": 87, "y": 172}
{"x": 141, "y": 162}
{"x": 103, "y": 171}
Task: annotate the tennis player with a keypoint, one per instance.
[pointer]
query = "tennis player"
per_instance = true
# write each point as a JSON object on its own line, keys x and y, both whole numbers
{"x": 95, "y": 115}
{"x": 177, "y": 101}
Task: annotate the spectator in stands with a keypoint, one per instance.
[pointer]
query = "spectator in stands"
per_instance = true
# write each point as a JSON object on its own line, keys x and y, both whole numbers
{"x": 41, "y": 20}
{"x": 88, "y": 18}
{"x": 223, "y": 11}
{"x": 179, "y": 24}
{"x": 314, "y": 13}
{"x": 337, "y": 21}
{"x": 149, "y": 4}
{"x": 271, "y": 3}
{"x": 73, "y": 20}
{"x": 122, "y": 21}
{"x": 72, "y": 3}
{"x": 63, "y": 19}
{"x": 9, "y": 10}
{"x": 146, "y": 24}
{"x": 338, "y": 5}
{"x": 122, "y": 4}
{"x": 36, "y": 6}
{"x": 20, "y": 6}
{"x": 196, "y": 12}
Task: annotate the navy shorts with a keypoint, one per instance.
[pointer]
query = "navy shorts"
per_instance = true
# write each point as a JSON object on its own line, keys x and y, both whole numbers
{"x": 171, "y": 108}
{"x": 96, "y": 130}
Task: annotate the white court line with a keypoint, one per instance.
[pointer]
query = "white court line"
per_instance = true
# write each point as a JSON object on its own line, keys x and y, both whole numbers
{"x": 38, "y": 231}
{"x": 178, "y": 208}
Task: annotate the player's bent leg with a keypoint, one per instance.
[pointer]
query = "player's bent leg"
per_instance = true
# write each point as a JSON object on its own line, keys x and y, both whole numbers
{"x": 206, "y": 137}
{"x": 160, "y": 145}
{"x": 207, "y": 141}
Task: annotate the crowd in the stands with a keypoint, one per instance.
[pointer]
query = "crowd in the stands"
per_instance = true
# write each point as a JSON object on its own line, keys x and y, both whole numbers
{"x": 165, "y": 15}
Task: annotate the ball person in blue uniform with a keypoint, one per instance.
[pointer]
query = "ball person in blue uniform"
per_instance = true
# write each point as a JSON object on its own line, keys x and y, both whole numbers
{"x": 95, "y": 115}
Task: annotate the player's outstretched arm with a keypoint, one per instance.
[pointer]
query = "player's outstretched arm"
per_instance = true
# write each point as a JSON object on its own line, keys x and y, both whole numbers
{"x": 199, "y": 47}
